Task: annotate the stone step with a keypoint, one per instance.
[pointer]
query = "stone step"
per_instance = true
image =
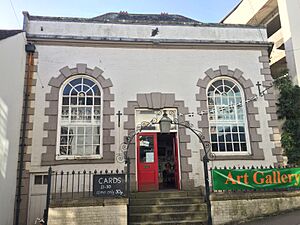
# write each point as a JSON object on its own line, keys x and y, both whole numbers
{"x": 163, "y": 217}
{"x": 165, "y": 194}
{"x": 183, "y": 222}
{"x": 197, "y": 208}
{"x": 166, "y": 201}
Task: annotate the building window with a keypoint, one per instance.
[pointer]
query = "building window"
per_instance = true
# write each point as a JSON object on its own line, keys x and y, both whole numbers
{"x": 80, "y": 110}
{"x": 227, "y": 117}
{"x": 40, "y": 179}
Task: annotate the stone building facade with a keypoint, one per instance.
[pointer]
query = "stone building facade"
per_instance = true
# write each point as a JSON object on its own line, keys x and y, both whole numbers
{"x": 98, "y": 78}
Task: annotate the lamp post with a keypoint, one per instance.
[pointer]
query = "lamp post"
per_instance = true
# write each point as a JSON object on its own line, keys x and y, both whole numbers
{"x": 165, "y": 126}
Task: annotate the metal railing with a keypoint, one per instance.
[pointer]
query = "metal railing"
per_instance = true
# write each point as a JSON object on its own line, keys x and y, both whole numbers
{"x": 65, "y": 186}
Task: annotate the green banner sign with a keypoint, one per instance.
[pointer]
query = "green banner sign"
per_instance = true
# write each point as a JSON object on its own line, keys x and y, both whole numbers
{"x": 249, "y": 179}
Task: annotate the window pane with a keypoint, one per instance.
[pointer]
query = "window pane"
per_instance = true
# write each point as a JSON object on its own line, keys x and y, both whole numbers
{"x": 214, "y": 138}
{"x": 80, "y": 117}
{"x": 228, "y": 137}
{"x": 222, "y": 147}
{"x": 64, "y": 130}
{"x": 65, "y": 101}
{"x": 63, "y": 140}
{"x": 88, "y": 150}
{"x": 67, "y": 90}
{"x": 89, "y": 101}
{"x": 80, "y": 140}
{"x": 76, "y": 81}
{"x": 80, "y": 130}
{"x": 96, "y": 139}
{"x": 96, "y": 91}
{"x": 244, "y": 147}
{"x": 242, "y": 137}
{"x": 74, "y": 92}
{"x": 214, "y": 147}
{"x": 88, "y": 82}
{"x": 45, "y": 179}
{"x": 97, "y": 149}
{"x": 74, "y": 101}
{"x": 146, "y": 149}
{"x": 221, "y": 137}
{"x": 97, "y": 101}
{"x": 38, "y": 179}
{"x": 85, "y": 88}
{"x": 80, "y": 150}
{"x": 236, "y": 147}
{"x": 88, "y": 140}
{"x": 81, "y": 101}
{"x": 226, "y": 115}
{"x": 229, "y": 147}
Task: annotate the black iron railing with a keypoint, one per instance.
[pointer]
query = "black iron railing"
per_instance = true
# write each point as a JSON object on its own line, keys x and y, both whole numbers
{"x": 65, "y": 186}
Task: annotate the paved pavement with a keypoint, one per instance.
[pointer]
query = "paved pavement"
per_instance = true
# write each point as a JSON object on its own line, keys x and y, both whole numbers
{"x": 289, "y": 218}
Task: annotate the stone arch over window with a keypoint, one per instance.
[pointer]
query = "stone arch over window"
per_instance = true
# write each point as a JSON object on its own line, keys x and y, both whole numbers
{"x": 253, "y": 124}
{"x": 52, "y": 112}
{"x": 159, "y": 101}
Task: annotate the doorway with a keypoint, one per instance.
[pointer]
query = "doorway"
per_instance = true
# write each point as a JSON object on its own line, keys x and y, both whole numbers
{"x": 157, "y": 161}
{"x": 167, "y": 163}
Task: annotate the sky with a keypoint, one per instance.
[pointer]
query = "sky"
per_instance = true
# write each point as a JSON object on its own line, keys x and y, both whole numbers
{"x": 210, "y": 11}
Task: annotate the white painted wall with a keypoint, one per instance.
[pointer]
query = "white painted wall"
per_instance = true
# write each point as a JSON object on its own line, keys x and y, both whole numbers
{"x": 245, "y": 11}
{"x": 135, "y": 71}
{"x": 212, "y": 32}
{"x": 289, "y": 17}
{"x": 144, "y": 70}
{"x": 12, "y": 64}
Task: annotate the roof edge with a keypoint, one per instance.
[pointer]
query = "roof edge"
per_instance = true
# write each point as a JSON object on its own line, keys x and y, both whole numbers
{"x": 28, "y": 17}
{"x": 222, "y": 21}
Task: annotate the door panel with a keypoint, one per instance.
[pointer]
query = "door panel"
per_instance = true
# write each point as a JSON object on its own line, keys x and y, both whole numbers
{"x": 147, "y": 162}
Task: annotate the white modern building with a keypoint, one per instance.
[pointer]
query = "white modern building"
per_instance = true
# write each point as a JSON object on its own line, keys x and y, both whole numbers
{"x": 281, "y": 18}
{"x": 12, "y": 64}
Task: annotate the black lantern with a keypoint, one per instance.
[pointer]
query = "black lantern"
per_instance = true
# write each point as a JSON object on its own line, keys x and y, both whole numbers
{"x": 165, "y": 123}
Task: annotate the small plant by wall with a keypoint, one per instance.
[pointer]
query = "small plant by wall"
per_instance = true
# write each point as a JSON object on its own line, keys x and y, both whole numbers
{"x": 289, "y": 111}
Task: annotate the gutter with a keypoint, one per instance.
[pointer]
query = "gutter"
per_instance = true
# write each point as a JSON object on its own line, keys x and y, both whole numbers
{"x": 30, "y": 49}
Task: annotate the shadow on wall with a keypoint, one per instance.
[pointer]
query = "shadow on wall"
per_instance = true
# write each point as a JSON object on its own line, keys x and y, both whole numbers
{"x": 4, "y": 143}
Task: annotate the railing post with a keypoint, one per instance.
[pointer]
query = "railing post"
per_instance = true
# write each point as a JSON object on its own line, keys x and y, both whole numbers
{"x": 48, "y": 196}
{"x": 207, "y": 189}
{"x": 128, "y": 187}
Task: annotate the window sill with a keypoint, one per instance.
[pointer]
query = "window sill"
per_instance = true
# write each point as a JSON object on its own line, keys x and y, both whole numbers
{"x": 76, "y": 157}
{"x": 255, "y": 155}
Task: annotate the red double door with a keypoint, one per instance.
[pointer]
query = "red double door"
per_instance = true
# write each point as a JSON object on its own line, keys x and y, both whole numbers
{"x": 148, "y": 161}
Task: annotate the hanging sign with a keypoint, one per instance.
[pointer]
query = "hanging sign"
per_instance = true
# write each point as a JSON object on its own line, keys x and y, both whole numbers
{"x": 250, "y": 179}
{"x": 109, "y": 185}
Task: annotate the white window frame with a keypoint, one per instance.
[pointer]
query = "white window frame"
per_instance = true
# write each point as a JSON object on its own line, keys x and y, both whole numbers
{"x": 245, "y": 121}
{"x": 59, "y": 123}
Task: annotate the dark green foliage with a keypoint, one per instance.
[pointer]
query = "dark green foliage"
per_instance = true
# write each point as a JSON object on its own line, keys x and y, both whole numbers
{"x": 289, "y": 110}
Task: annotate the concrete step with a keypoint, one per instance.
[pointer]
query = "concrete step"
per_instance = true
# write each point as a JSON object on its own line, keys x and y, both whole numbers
{"x": 164, "y": 217}
{"x": 187, "y": 222}
{"x": 197, "y": 208}
{"x": 166, "y": 201}
{"x": 165, "y": 194}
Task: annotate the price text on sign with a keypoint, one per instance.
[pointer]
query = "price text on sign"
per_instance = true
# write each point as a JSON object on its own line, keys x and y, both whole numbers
{"x": 109, "y": 185}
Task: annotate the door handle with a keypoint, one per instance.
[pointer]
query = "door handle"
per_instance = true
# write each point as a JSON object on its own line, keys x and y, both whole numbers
{"x": 146, "y": 166}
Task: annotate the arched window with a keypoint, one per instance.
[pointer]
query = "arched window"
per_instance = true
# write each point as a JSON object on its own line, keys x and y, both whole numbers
{"x": 227, "y": 117}
{"x": 79, "y": 123}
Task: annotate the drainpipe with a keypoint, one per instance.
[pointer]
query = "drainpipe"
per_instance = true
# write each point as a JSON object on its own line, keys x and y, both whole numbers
{"x": 30, "y": 49}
